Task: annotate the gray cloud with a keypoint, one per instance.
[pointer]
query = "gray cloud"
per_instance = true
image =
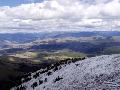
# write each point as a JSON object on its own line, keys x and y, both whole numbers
{"x": 61, "y": 15}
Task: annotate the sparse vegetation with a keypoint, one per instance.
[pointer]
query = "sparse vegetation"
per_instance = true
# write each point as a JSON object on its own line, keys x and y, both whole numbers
{"x": 58, "y": 78}
{"x": 35, "y": 84}
{"x": 40, "y": 82}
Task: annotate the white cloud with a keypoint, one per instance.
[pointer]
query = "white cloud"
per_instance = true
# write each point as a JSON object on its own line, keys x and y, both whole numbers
{"x": 61, "y": 14}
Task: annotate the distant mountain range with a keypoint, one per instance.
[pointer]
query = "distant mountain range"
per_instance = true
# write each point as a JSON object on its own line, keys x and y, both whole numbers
{"x": 27, "y": 37}
{"x": 93, "y": 43}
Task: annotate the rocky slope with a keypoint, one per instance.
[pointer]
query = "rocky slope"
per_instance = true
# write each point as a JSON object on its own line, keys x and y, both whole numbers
{"x": 97, "y": 73}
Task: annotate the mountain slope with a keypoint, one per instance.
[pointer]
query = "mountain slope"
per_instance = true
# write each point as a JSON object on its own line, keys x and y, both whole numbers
{"x": 97, "y": 73}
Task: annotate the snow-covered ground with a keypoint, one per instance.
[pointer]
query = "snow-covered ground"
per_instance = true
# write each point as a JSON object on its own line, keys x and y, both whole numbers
{"x": 96, "y": 73}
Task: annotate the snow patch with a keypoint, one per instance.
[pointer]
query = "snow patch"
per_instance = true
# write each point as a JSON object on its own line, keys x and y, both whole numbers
{"x": 96, "y": 73}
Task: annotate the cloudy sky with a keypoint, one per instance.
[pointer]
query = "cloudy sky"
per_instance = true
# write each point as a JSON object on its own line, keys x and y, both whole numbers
{"x": 59, "y": 15}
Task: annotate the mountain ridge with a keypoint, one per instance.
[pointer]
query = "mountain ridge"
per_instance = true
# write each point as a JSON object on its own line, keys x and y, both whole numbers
{"x": 96, "y": 73}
